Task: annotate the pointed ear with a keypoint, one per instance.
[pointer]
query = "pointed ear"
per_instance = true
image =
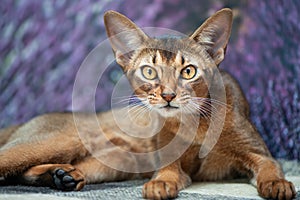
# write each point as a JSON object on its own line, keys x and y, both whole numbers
{"x": 124, "y": 36}
{"x": 214, "y": 34}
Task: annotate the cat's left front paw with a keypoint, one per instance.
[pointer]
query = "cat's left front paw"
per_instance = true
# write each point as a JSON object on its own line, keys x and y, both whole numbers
{"x": 159, "y": 190}
{"x": 277, "y": 189}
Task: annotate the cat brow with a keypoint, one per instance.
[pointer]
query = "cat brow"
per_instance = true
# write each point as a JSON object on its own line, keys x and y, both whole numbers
{"x": 167, "y": 54}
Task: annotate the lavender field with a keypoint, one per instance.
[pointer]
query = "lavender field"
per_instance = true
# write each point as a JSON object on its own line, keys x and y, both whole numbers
{"x": 43, "y": 44}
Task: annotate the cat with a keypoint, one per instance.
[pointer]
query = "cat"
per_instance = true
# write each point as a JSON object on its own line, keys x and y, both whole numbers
{"x": 187, "y": 118}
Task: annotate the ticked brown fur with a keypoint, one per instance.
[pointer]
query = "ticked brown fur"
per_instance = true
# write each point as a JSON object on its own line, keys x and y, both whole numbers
{"x": 172, "y": 77}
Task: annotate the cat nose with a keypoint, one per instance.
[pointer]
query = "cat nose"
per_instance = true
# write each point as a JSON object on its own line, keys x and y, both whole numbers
{"x": 168, "y": 96}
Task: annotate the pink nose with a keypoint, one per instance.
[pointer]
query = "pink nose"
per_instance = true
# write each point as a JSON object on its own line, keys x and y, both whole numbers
{"x": 168, "y": 96}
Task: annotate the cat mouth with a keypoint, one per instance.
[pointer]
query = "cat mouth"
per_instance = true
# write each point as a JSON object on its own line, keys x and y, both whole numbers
{"x": 168, "y": 106}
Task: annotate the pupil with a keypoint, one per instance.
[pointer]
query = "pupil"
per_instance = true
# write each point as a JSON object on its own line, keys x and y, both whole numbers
{"x": 149, "y": 71}
{"x": 188, "y": 71}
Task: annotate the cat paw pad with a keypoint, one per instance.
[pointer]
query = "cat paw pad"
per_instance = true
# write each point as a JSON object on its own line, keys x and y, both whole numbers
{"x": 68, "y": 180}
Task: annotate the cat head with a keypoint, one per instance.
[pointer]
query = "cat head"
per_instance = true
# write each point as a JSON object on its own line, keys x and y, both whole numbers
{"x": 170, "y": 74}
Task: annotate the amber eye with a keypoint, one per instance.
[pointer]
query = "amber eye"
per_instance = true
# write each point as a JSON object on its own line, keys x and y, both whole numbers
{"x": 188, "y": 72}
{"x": 149, "y": 72}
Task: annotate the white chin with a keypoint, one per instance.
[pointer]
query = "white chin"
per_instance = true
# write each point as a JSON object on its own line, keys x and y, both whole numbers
{"x": 168, "y": 112}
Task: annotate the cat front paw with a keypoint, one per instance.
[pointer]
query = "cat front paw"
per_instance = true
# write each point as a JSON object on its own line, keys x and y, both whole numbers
{"x": 68, "y": 179}
{"x": 277, "y": 189}
{"x": 159, "y": 190}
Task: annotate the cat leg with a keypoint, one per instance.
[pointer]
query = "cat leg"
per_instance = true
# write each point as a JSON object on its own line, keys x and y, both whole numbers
{"x": 50, "y": 138}
{"x": 59, "y": 176}
{"x": 96, "y": 172}
{"x": 167, "y": 182}
{"x": 269, "y": 178}
{"x": 15, "y": 158}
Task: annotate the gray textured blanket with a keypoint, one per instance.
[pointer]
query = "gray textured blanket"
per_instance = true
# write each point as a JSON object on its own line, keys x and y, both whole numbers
{"x": 132, "y": 190}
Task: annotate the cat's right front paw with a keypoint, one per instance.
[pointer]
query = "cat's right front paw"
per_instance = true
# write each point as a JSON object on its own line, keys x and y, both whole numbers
{"x": 68, "y": 179}
{"x": 277, "y": 189}
{"x": 159, "y": 190}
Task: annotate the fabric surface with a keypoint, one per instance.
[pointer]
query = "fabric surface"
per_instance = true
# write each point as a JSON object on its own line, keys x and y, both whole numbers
{"x": 133, "y": 190}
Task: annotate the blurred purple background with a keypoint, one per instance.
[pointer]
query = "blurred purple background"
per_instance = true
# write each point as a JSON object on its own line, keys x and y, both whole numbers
{"x": 43, "y": 44}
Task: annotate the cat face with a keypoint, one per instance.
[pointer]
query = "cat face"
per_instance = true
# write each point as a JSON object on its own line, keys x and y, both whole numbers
{"x": 168, "y": 78}
{"x": 170, "y": 75}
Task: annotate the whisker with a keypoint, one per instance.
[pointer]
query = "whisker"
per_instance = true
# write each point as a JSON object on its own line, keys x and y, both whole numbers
{"x": 130, "y": 106}
{"x": 139, "y": 111}
{"x": 210, "y": 103}
{"x": 122, "y": 97}
{"x": 208, "y": 111}
{"x": 142, "y": 111}
{"x": 203, "y": 112}
{"x": 203, "y": 99}
{"x": 211, "y": 108}
{"x": 130, "y": 100}
{"x": 189, "y": 109}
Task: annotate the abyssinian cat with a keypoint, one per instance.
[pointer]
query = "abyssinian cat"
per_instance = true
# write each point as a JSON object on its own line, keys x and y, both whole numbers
{"x": 188, "y": 119}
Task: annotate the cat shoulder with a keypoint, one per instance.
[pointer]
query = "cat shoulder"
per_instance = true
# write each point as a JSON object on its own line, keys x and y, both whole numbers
{"x": 234, "y": 94}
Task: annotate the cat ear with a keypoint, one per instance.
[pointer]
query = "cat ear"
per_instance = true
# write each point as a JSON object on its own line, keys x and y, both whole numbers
{"x": 214, "y": 34}
{"x": 124, "y": 36}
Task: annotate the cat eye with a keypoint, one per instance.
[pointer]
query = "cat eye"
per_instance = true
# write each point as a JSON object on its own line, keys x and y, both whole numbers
{"x": 188, "y": 72}
{"x": 149, "y": 72}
